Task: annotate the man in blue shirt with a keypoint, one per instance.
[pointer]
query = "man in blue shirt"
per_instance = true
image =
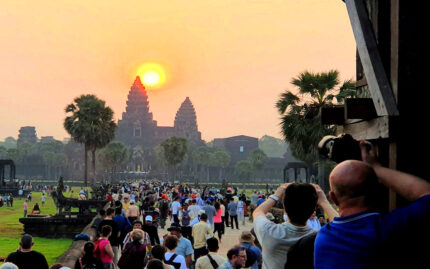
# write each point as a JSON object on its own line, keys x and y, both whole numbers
{"x": 184, "y": 247}
{"x": 364, "y": 238}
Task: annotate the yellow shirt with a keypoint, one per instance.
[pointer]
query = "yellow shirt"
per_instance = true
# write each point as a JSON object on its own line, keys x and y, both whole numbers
{"x": 200, "y": 231}
{"x": 125, "y": 206}
{"x": 203, "y": 262}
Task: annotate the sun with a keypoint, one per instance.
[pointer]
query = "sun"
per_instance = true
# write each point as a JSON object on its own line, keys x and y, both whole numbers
{"x": 150, "y": 78}
{"x": 152, "y": 74}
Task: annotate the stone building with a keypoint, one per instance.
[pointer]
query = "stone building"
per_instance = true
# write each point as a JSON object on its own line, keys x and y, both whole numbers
{"x": 138, "y": 129}
{"x": 27, "y": 134}
{"x": 239, "y": 146}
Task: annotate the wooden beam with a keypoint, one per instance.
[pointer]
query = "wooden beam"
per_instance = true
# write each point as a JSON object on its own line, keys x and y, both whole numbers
{"x": 366, "y": 130}
{"x": 379, "y": 85}
{"x": 360, "y": 108}
{"x": 333, "y": 115}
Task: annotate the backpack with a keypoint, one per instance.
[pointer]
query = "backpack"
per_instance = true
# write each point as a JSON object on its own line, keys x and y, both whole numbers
{"x": 251, "y": 257}
{"x": 171, "y": 261}
{"x": 88, "y": 265}
{"x": 185, "y": 218}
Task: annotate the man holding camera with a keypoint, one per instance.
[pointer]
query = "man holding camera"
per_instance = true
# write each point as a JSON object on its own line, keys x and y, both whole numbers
{"x": 364, "y": 238}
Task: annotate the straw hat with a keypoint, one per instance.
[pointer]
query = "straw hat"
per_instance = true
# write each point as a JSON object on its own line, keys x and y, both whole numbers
{"x": 247, "y": 237}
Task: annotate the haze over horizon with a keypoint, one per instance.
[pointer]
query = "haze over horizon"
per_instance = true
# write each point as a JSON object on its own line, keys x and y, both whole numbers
{"x": 232, "y": 59}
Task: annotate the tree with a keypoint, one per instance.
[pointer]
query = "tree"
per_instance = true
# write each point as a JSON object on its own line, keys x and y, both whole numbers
{"x": 221, "y": 159}
{"x": 243, "y": 169}
{"x": 113, "y": 155}
{"x": 272, "y": 146}
{"x": 201, "y": 156}
{"x": 91, "y": 123}
{"x": 175, "y": 149}
{"x": 301, "y": 113}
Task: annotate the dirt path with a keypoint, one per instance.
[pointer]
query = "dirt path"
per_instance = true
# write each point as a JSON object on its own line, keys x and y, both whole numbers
{"x": 229, "y": 239}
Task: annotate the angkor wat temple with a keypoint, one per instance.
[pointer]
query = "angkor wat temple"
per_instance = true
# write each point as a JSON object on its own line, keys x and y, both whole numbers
{"x": 137, "y": 128}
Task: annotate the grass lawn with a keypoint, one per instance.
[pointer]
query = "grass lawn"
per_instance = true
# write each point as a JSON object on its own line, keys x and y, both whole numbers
{"x": 11, "y": 229}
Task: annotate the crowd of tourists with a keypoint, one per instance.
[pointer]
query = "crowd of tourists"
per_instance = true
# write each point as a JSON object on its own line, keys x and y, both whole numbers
{"x": 357, "y": 235}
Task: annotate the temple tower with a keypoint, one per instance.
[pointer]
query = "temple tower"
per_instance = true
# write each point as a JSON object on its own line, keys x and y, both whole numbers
{"x": 137, "y": 126}
{"x": 27, "y": 134}
{"x": 186, "y": 123}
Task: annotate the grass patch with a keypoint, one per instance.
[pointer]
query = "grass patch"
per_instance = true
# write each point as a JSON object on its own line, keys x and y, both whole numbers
{"x": 11, "y": 229}
{"x": 50, "y": 248}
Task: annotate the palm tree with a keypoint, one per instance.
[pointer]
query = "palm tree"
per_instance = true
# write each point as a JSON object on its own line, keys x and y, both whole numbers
{"x": 300, "y": 113}
{"x": 90, "y": 123}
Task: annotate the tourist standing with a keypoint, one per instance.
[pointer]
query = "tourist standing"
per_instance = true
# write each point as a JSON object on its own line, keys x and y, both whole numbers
{"x": 151, "y": 230}
{"x": 134, "y": 253}
{"x": 25, "y": 257}
{"x": 314, "y": 223}
{"x": 241, "y": 210}
{"x": 236, "y": 258}
{"x": 132, "y": 212}
{"x": 43, "y": 199}
{"x": 25, "y": 208}
{"x": 105, "y": 250}
{"x": 218, "y": 223}
{"x": 178, "y": 261}
{"x": 184, "y": 247}
{"x": 212, "y": 259}
{"x": 88, "y": 260}
{"x": 253, "y": 253}
{"x": 200, "y": 231}
{"x": 210, "y": 212}
{"x": 115, "y": 232}
{"x": 232, "y": 210}
{"x": 175, "y": 207}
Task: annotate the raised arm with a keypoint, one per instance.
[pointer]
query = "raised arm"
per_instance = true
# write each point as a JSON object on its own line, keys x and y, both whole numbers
{"x": 325, "y": 204}
{"x": 265, "y": 207}
{"x": 406, "y": 185}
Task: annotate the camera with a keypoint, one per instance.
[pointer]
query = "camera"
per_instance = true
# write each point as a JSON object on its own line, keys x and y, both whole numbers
{"x": 339, "y": 148}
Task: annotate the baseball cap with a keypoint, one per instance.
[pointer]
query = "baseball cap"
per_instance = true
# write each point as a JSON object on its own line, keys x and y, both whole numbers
{"x": 148, "y": 218}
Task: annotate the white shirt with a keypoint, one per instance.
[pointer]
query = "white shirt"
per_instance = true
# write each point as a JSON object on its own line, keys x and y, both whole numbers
{"x": 276, "y": 240}
{"x": 175, "y": 207}
{"x": 314, "y": 224}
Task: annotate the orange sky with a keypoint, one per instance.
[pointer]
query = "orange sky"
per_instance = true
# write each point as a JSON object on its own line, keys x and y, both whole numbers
{"x": 231, "y": 57}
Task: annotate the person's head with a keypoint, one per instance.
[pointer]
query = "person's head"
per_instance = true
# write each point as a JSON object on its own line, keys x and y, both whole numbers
{"x": 314, "y": 214}
{"x": 321, "y": 219}
{"x": 137, "y": 224}
{"x": 118, "y": 211}
{"x": 300, "y": 202}
{"x": 26, "y": 242}
{"x": 155, "y": 264}
{"x": 102, "y": 213}
{"x": 158, "y": 252}
{"x": 212, "y": 244}
{"x": 204, "y": 217}
{"x": 148, "y": 220}
{"x": 237, "y": 256}
{"x": 110, "y": 212}
{"x": 137, "y": 235}
{"x": 217, "y": 205}
{"x": 175, "y": 230}
{"x": 171, "y": 242}
{"x": 126, "y": 199}
{"x": 247, "y": 237}
{"x": 89, "y": 249}
{"x": 8, "y": 265}
{"x": 354, "y": 184}
{"x": 106, "y": 231}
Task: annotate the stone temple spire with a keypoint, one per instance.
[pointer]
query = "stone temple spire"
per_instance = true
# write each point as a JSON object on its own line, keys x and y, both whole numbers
{"x": 137, "y": 126}
{"x": 137, "y": 103}
{"x": 186, "y": 121}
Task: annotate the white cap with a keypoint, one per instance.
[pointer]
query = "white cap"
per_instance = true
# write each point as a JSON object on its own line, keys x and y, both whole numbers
{"x": 148, "y": 218}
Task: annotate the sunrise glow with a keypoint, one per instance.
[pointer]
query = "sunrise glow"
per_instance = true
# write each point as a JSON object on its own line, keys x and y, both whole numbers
{"x": 152, "y": 74}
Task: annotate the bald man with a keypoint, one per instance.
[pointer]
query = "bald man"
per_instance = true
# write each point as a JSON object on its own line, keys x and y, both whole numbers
{"x": 362, "y": 237}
